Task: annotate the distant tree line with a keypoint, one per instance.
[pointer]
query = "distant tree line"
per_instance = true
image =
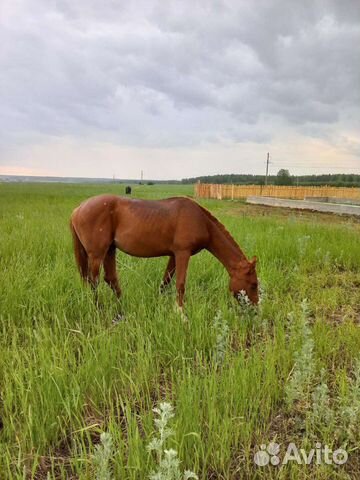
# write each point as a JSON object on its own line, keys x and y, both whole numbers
{"x": 283, "y": 177}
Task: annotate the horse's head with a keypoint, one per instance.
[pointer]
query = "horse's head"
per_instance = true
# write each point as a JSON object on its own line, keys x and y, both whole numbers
{"x": 244, "y": 279}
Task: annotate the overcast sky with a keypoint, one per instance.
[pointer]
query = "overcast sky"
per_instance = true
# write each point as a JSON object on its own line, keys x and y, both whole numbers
{"x": 179, "y": 88}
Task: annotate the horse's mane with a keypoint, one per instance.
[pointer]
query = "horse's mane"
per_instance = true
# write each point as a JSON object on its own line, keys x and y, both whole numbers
{"x": 221, "y": 227}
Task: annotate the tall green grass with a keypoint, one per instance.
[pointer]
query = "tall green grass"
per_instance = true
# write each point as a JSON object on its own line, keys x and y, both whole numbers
{"x": 67, "y": 373}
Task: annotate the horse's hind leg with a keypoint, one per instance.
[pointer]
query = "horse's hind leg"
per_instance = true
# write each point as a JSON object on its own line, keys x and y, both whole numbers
{"x": 168, "y": 275}
{"x": 95, "y": 262}
{"x": 111, "y": 277}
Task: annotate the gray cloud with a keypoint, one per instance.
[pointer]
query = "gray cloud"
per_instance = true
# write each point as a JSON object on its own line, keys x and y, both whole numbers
{"x": 178, "y": 73}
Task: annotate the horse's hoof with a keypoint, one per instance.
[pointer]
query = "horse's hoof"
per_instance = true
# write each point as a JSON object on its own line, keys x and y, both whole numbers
{"x": 163, "y": 288}
{"x": 120, "y": 317}
{"x": 180, "y": 311}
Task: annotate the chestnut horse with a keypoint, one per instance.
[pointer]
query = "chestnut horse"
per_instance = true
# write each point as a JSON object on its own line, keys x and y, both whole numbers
{"x": 175, "y": 227}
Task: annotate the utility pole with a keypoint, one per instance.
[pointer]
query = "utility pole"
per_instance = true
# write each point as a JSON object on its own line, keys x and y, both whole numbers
{"x": 267, "y": 167}
{"x": 142, "y": 176}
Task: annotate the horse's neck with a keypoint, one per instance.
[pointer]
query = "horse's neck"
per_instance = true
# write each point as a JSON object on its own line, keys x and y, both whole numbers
{"x": 224, "y": 248}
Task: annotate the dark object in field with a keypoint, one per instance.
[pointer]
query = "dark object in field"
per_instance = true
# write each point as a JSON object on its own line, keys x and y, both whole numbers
{"x": 128, "y": 190}
{"x": 175, "y": 227}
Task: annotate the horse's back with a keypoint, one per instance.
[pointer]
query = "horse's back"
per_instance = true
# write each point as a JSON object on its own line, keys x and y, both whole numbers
{"x": 141, "y": 227}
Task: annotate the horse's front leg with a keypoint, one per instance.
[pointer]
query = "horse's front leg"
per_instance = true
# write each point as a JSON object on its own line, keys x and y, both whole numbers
{"x": 168, "y": 275}
{"x": 182, "y": 261}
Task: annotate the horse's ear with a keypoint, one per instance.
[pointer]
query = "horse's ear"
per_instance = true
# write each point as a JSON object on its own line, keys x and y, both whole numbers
{"x": 252, "y": 265}
{"x": 244, "y": 264}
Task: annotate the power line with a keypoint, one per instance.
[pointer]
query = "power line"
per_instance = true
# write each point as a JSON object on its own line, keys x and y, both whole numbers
{"x": 316, "y": 167}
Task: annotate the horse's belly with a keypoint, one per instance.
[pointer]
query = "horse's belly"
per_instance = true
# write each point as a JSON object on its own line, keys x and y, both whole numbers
{"x": 146, "y": 245}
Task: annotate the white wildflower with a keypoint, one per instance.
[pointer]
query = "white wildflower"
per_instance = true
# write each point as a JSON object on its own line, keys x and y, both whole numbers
{"x": 102, "y": 457}
{"x": 168, "y": 460}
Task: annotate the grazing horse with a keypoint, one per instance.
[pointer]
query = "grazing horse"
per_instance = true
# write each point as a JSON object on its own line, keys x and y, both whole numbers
{"x": 175, "y": 227}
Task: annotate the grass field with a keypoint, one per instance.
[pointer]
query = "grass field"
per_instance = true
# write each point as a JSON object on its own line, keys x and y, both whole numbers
{"x": 236, "y": 379}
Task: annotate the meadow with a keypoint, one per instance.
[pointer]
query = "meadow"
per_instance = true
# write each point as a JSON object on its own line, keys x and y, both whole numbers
{"x": 237, "y": 378}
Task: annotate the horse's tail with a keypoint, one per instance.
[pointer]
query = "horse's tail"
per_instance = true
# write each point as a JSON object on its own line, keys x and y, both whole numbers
{"x": 81, "y": 256}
